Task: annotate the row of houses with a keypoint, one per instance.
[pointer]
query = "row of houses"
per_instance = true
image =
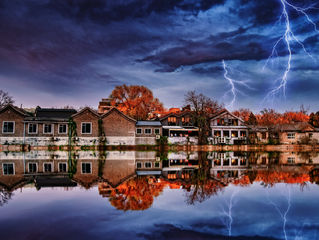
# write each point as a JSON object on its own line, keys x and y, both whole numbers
{"x": 49, "y": 126}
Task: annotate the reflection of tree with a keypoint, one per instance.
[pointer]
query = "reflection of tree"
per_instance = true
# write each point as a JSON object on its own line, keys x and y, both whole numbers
{"x": 271, "y": 177}
{"x": 5, "y": 196}
{"x": 203, "y": 187}
{"x": 314, "y": 176}
{"x": 136, "y": 194}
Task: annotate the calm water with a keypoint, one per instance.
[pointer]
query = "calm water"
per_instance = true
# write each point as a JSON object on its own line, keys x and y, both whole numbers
{"x": 149, "y": 195}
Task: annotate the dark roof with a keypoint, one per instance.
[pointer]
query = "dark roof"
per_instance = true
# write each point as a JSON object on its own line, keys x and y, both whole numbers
{"x": 178, "y": 114}
{"x": 148, "y": 123}
{"x": 54, "y": 113}
{"x": 293, "y": 127}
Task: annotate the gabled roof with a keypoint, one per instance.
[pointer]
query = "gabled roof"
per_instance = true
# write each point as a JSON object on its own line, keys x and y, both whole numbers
{"x": 122, "y": 114}
{"x": 214, "y": 116}
{"x": 180, "y": 114}
{"x": 84, "y": 109}
{"x": 16, "y": 109}
{"x": 149, "y": 123}
{"x": 54, "y": 113}
{"x": 294, "y": 127}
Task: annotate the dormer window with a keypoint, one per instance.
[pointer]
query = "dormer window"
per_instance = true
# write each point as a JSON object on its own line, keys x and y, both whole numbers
{"x": 171, "y": 121}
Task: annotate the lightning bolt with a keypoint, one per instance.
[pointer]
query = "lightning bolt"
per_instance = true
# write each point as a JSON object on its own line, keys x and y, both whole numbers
{"x": 283, "y": 214}
{"x": 287, "y": 38}
{"x": 233, "y": 87}
{"x": 228, "y": 213}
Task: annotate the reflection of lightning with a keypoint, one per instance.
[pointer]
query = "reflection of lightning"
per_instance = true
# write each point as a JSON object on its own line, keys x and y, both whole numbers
{"x": 287, "y": 38}
{"x": 228, "y": 222}
{"x": 283, "y": 215}
{"x": 233, "y": 89}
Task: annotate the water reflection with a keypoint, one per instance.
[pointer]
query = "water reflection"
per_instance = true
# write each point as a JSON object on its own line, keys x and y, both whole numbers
{"x": 230, "y": 181}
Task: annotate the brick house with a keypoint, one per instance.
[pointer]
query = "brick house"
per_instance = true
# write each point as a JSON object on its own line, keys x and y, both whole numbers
{"x": 48, "y": 126}
{"x": 118, "y": 128}
{"x": 12, "y": 124}
{"x": 147, "y": 131}
{"x": 294, "y": 133}
{"x": 179, "y": 128}
{"x": 87, "y": 126}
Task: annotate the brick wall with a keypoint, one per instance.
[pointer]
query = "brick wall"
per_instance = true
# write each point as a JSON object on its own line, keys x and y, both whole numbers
{"x": 11, "y": 115}
{"x": 87, "y": 116}
{"x": 115, "y": 124}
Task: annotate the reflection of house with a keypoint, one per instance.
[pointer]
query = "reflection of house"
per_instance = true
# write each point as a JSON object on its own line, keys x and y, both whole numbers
{"x": 147, "y": 163}
{"x": 228, "y": 129}
{"x": 180, "y": 165}
{"x": 179, "y": 127}
{"x": 228, "y": 165}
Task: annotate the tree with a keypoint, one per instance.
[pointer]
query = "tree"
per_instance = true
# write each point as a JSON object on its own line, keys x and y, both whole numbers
{"x": 135, "y": 101}
{"x": 252, "y": 120}
{"x": 5, "y": 98}
{"x": 243, "y": 113}
{"x": 202, "y": 107}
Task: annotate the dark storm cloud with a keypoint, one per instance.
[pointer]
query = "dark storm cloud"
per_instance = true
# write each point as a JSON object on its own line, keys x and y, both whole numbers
{"x": 212, "y": 49}
{"x": 105, "y": 12}
{"x": 74, "y": 47}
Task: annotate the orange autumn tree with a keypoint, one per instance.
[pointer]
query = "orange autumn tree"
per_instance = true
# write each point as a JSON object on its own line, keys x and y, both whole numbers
{"x": 135, "y": 101}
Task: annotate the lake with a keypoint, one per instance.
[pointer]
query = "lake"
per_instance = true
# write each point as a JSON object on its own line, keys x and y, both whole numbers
{"x": 159, "y": 195}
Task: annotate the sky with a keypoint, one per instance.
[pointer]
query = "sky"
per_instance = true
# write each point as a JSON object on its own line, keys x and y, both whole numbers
{"x": 55, "y": 53}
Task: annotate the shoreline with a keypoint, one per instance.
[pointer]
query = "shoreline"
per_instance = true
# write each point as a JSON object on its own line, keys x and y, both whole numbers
{"x": 174, "y": 148}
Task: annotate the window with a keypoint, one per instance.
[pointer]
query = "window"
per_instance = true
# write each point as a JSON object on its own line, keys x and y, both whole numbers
{"x": 217, "y": 133}
{"x": 8, "y": 168}
{"x": 47, "y": 167}
{"x": 171, "y": 120}
{"x": 62, "y": 167}
{"x": 86, "y": 128}
{"x": 32, "y": 128}
{"x": 291, "y": 160}
{"x": 243, "y": 133}
{"x": 234, "y": 133}
{"x": 148, "y": 131}
{"x": 148, "y": 165}
{"x": 86, "y": 168}
{"x": 157, "y": 164}
{"x": 157, "y": 131}
{"x": 186, "y": 120}
{"x": 138, "y": 165}
{"x": 47, "y": 128}
{"x": 291, "y": 136}
{"x": 63, "y": 129}
{"x": 8, "y": 127}
{"x": 32, "y": 167}
{"x": 263, "y": 135}
{"x": 139, "y": 131}
{"x": 226, "y": 133}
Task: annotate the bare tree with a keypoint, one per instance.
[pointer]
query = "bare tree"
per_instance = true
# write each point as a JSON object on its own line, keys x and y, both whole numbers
{"x": 202, "y": 108}
{"x": 5, "y": 98}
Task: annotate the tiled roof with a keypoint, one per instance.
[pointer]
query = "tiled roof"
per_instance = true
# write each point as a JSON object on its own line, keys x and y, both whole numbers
{"x": 148, "y": 123}
{"x": 54, "y": 113}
